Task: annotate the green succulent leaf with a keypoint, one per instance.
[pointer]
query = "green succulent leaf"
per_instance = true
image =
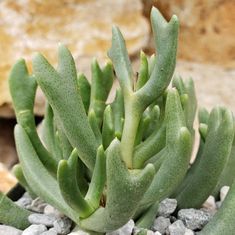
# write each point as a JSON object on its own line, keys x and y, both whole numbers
{"x": 62, "y": 93}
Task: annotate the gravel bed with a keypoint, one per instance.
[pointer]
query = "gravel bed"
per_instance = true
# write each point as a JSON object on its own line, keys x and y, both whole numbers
{"x": 46, "y": 220}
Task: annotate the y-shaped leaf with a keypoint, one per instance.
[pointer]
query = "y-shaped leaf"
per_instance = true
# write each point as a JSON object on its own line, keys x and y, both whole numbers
{"x": 166, "y": 38}
{"x": 228, "y": 175}
{"x": 121, "y": 62}
{"x": 18, "y": 173}
{"x": 190, "y": 107}
{"x": 144, "y": 71}
{"x": 38, "y": 178}
{"x": 108, "y": 127}
{"x": 49, "y": 133}
{"x": 124, "y": 191}
{"x": 23, "y": 88}
{"x": 102, "y": 81}
{"x": 67, "y": 173}
{"x": 84, "y": 90}
{"x": 118, "y": 111}
{"x": 203, "y": 115}
{"x": 61, "y": 90}
{"x": 176, "y": 153}
{"x": 214, "y": 157}
{"x": 151, "y": 146}
{"x": 95, "y": 126}
{"x": 98, "y": 180}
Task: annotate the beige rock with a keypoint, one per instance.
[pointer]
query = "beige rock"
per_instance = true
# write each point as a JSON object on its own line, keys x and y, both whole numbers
{"x": 28, "y": 26}
{"x": 7, "y": 180}
{"x": 207, "y": 29}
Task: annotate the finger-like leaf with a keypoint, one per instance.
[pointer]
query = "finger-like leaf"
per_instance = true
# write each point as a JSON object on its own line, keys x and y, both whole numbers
{"x": 61, "y": 90}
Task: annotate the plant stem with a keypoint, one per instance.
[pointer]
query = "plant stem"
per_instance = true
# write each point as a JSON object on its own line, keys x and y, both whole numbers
{"x": 131, "y": 123}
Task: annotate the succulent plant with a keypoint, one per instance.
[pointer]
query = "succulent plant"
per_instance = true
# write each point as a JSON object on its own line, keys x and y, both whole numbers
{"x": 102, "y": 163}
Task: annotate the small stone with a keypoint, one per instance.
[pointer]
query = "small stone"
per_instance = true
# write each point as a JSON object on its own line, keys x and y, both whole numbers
{"x": 223, "y": 192}
{"x": 161, "y": 224}
{"x": 188, "y": 232}
{"x": 8, "y": 230}
{"x": 210, "y": 203}
{"x": 124, "y": 230}
{"x": 142, "y": 231}
{"x": 177, "y": 228}
{"x": 62, "y": 225}
{"x": 35, "y": 229}
{"x": 51, "y": 231}
{"x": 79, "y": 232}
{"x": 47, "y": 220}
{"x": 37, "y": 205}
{"x": 24, "y": 202}
{"x": 194, "y": 219}
{"x": 50, "y": 210}
{"x": 157, "y": 233}
{"x": 167, "y": 207}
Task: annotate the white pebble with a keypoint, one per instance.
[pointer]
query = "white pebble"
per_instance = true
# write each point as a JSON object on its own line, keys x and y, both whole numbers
{"x": 210, "y": 203}
{"x": 35, "y": 229}
{"x": 78, "y": 231}
{"x": 8, "y": 230}
{"x": 48, "y": 210}
{"x": 188, "y": 232}
{"x": 157, "y": 233}
{"x": 223, "y": 192}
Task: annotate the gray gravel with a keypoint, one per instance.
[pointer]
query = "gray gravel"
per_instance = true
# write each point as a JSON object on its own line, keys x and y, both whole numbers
{"x": 37, "y": 205}
{"x": 161, "y": 224}
{"x": 47, "y": 220}
{"x": 177, "y": 228}
{"x": 8, "y": 230}
{"x": 167, "y": 207}
{"x": 165, "y": 223}
{"x": 194, "y": 219}
{"x": 62, "y": 225}
{"x": 24, "y": 202}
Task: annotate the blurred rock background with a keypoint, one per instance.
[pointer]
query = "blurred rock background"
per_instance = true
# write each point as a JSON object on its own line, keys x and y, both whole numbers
{"x": 206, "y": 46}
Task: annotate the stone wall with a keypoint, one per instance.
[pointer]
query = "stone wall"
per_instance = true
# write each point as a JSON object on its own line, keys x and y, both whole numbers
{"x": 207, "y": 29}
